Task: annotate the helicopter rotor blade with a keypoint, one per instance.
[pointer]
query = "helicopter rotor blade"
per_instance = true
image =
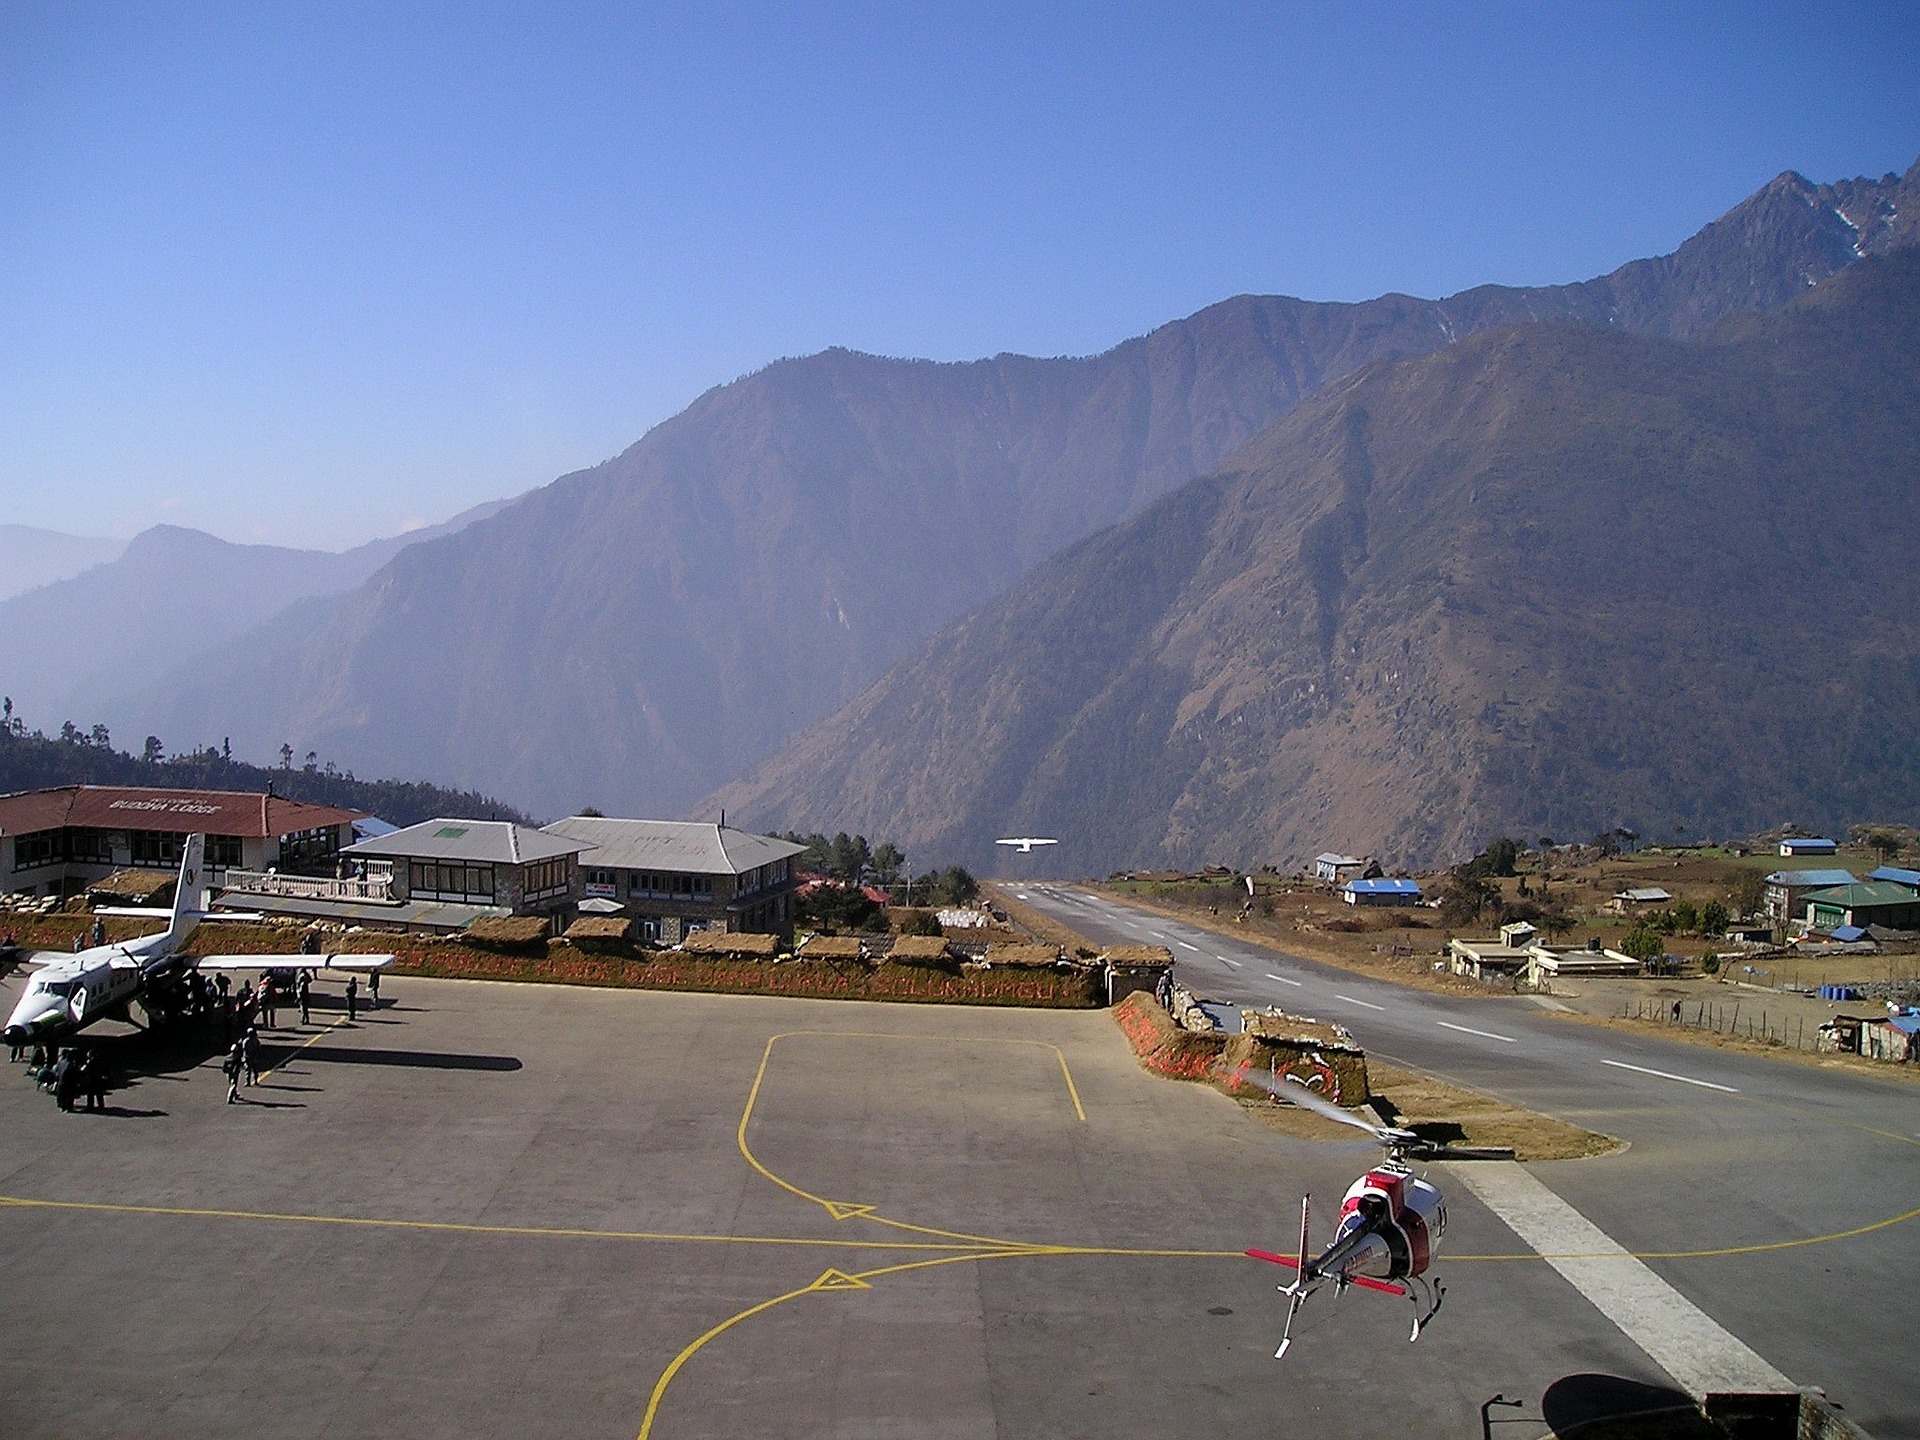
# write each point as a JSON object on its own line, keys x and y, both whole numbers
{"x": 1286, "y": 1088}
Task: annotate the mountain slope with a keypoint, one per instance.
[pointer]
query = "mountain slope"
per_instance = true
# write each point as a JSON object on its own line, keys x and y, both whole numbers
{"x": 1551, "y": 579}
{"x": 634, "y": 634}
{"x": 30, "y": 557}
{"x": 71, "y": 649}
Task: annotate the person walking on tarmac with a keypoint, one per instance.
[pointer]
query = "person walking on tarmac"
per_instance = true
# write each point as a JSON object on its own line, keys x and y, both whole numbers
{"x": 303, "y": 992}
{"x": 353, "y": 995}
{"x": 250, "y": 1052}
{"x": 66, "y": 1080}
{"x": 373, "y": 990}
{"x": 231, "y": 1067}
{"x": 269, "y": 1000}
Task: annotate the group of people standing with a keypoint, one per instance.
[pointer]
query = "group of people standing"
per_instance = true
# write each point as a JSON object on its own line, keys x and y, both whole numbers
{"x": 70, "y": 1074}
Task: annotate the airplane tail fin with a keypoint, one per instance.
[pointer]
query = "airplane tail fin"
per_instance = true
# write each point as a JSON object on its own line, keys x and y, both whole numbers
{"x": 190, "y": 893}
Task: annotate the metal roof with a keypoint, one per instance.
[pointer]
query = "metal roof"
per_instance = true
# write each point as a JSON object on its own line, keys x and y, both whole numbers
{"x": 1329, "y": 858}
{"x": 684, "y": 847}
{"x": 1382, "y": 887}
{"x": 1879, "y": 892}
{"x": 248, "y": 814}
{"x": 492, "y": 842}
{"x": 1818, "y": 878}
{"x": 1647, "y": 894}
{"x": 1847, "y": 934}
{"x": 440, "y": 914}
{"x": 1898, "y": 877}
{"x": 1808, "y": 845}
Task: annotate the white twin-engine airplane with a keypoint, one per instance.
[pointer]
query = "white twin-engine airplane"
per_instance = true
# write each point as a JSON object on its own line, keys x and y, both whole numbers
{"x": 1025, "y": 843}
{"x": 70, "y": 992}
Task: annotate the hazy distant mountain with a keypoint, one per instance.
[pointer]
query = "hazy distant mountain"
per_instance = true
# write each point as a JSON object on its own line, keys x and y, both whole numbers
{"x": 30, "y": 557}
{"x": 635, "y": 634}
{"x": 74, "y": 649}
{"x": 1552, "y": 579}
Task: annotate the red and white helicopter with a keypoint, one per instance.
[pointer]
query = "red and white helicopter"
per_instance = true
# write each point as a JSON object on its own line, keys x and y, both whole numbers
{"x": 1390, "y": 1225}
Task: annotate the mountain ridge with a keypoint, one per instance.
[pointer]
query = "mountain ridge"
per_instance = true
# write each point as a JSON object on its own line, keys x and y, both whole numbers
{"x": 634, "y": 634}
{"x": 1452, "y": 595}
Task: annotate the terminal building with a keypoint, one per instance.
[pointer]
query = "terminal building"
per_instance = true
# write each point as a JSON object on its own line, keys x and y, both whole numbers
{"x": 59, "y": 841}
{"x": 672, "y": 877}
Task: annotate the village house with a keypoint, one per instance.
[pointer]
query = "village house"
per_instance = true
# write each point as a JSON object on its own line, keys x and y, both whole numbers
{"x": 1643, "y": 897}
{"x": 1785, "y": 889}
{"x": 1808, "y": 845}
{"x": 674, "y": 877}
{"x": 1879, "y": 902}
{"x": 1334, "y": 868}
{"x": 443, "y": 874}
{"x": 1379, "y": 891}
{"x": 61, "y": 840}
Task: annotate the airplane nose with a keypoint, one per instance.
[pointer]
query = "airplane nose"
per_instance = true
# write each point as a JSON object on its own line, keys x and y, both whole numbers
{"x": 16, "y": 1035}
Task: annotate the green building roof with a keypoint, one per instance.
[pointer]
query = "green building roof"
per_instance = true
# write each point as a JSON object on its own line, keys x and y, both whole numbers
{"x": 1878, "y": 892}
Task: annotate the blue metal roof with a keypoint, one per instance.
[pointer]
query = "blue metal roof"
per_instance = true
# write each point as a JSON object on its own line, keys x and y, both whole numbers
{"x": 1823, "y": 879}
{"x": 1382, "y": 887}
{"x": 1897, "y": 876}
{"x": 1808, "y": 845}
{"x": 1847, "y": 934}
{"x": 1910, "y": 1024}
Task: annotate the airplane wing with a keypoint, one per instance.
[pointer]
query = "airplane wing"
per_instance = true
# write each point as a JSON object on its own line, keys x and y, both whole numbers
{"x": 360, "y": 964}
{"x": 38, "y": 959}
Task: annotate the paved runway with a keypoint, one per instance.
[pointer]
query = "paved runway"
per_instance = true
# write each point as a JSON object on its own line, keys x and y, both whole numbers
{"x": 1729, "y": 1153}
{"x": 538, "y": 1210}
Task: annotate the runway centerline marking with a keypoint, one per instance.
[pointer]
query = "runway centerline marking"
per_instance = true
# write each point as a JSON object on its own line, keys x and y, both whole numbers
{"x": 1234, "y": 963}
{"x": 1675, "y": 1333}
{"x": 1669, "y": 1075}
{"x": 1469, "y": 1030}
{"x": 1184, "y": 945}
{"x": 1367, "y": 1003}
{"x": 1283, "y": 980}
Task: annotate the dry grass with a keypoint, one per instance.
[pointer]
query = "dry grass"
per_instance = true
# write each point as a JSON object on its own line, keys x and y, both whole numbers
{"x": 712, "y": 942}
{"x": 1439, "y": 1110}
{"x": 830, "y": 947}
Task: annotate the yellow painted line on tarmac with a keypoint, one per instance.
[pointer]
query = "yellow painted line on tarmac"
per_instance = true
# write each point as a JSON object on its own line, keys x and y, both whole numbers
{"x": 851, "y": 1210}
{"x": 453, "y": 1227}
{"x": 832, "y": 1282}
{"x": 1721, "y": 1252}
{"x": 303, "y": 1045}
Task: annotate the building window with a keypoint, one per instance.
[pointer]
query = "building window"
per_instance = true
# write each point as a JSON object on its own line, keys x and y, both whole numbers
{"x": 450, "y": 880}
{"x": 223, "y": 850}
{"x": 545, "y": 877}
{"x": 41, "y": 847}
{"x": 304, "y": 845}
{"x": 156, "y": 847}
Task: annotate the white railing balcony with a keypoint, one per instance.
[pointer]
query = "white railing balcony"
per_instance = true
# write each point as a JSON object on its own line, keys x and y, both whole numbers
{"x": 376, "y": 885}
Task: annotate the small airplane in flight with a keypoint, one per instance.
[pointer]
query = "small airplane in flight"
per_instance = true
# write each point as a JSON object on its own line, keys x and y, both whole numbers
{"x": 1025, "y": 843}
{"x": 70, "y": 992}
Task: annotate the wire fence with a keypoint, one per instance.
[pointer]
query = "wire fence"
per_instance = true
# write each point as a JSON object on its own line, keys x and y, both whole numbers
{"x": 1734, "y": 1017}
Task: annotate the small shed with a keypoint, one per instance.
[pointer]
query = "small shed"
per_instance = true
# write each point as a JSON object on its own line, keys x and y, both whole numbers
{"x": 737, "y": 945}
{"x": 830, "y": 947}
{"x": 1895, "y": 1038}
{"x": 1640, "y": 897}
{"x": 923, "y": 950}
{"x": 592, "y": 931}
{"x": 1808, "y": 845}
{"x": 1380, "y": 891}
{"x": 1030, "y": 957}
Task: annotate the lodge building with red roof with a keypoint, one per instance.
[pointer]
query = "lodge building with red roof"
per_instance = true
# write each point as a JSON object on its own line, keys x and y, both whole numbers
{"x": 57, "y": 841}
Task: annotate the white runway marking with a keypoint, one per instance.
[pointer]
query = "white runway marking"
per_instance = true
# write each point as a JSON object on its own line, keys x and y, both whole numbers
{"x": 1281, "y": 978}
{"x": 1469, "y": 1030}
{"x": 1185, "y": 946}
{"x": 1351, "y": 1001}
{"x": 1234, "y": 963}
{"x": 1668, "y": 1075}
{"x": 1681, "y": 1338}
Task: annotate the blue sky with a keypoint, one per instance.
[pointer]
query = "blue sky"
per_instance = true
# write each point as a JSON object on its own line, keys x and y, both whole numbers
{"x": 312, "y": 274}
